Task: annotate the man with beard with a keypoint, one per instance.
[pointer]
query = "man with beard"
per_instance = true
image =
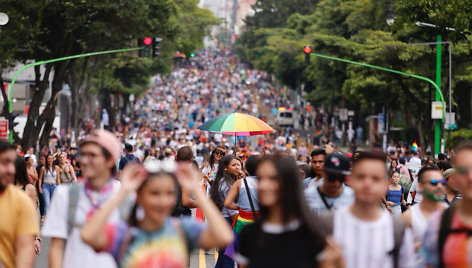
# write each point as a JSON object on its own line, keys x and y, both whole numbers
{"x": 431, "y": 185}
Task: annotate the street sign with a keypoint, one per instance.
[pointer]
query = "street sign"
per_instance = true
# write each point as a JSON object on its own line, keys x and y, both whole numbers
{"x": 437, "y": 110}
{"x": 3, "y": 129}
{"x": 343, "y": 112}
{"x": 450, "y": 121}
{"x": 381, "y": 123}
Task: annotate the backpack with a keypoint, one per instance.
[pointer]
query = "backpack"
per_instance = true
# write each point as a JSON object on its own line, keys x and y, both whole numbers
{"x": 445, "y": 230}
{"x": 399, "y": 226}
{"x": 74, "y": 195}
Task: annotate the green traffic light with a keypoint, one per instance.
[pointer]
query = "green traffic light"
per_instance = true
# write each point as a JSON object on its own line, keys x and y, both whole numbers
{"x": 192, "y": 54}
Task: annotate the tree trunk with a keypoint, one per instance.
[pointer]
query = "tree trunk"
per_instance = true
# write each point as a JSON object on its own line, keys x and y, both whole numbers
{"x": 33, "y": 124}
{"x": 5, "y": 110}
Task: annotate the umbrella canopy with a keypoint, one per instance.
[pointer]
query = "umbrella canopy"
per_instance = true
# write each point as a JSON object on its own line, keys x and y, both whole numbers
{"x": 237, "y": 124}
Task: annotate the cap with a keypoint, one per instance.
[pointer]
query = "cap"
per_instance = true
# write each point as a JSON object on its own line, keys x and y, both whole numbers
{"x": 106, "y": 140}
{"x": 337, "y": 163}
{"x": 449, "y": 172}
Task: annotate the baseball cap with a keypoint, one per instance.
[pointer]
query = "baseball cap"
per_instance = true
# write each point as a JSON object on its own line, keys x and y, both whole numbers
{"x": 337, "y": 163}
{"x": 106, "y": 140}
{"x": 449, "y": 172}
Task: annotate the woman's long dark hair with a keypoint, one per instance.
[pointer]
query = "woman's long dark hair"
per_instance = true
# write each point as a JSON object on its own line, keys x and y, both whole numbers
{"x": 211, "y": 161}
{"x": 222, "y": 176}
{"x": 46, "y": 165}
{"x": 132, "y": 219}
{"x": 291, "y": 195}
{"x": 21, "y": 174}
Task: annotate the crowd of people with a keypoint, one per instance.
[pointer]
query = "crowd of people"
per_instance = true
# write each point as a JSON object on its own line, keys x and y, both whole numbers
{"x": 154, "y": 188}
{"x": 260, "y": 211}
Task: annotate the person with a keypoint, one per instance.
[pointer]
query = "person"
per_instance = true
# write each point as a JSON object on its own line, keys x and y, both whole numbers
{"x": 431, "y": 185}
{"x": 74, "y": 161}
{"x": 48, "y": 181}
{"x": 286, "y": 233}
{"x": 332, "y": 193}
{"x": 446, "y": 242}
{"x": 30, "y": 153}
{"x": 184, "y": 203}
{"x": 364, "y": 224}
{"x": 395, "y": 194}
{"x": 19, "y": 225}
{"x": 31, "y": 171}
{"x": 22, "y": 182}
{"x": 42, "y": 163}
{"x": 210, "y": 168}
{"x": 452, "y": 194}
{"x": 73, "y": 204}
{"x": 129, "y": 157}
{"x": 245, "y": 191}
{"x": 403, "y": 168}
{"x": 229, "y": 170}
{"x": 316, "y": 174}
{"x": 66, "y": 171}
{"x": 304, "y": 170}
{"x": 156, "y": 239}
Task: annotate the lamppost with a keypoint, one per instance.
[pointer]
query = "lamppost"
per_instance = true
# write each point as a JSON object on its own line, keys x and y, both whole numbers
{"x": 438, "y": 43}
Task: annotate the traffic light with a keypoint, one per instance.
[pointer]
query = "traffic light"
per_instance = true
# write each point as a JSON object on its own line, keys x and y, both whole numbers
{"x": 155, "y": 46}
{"x": 144, "y": 44}
{"x": 307, "y": 51}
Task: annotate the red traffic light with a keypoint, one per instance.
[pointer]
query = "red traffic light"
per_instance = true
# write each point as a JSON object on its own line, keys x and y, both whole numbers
{"x": 307, "y": 49}
{"x": 147, "y": 41}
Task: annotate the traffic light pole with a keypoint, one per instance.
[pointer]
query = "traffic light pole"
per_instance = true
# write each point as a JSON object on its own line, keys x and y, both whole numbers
{"x": 10, "y": 107}
{"x": 437, "y": 125}
{"x": 437, "y": 85}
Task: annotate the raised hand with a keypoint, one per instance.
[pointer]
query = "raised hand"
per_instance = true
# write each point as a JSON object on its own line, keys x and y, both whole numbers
{"x": 132, "y": 177}
{"x": 188, "y": 176}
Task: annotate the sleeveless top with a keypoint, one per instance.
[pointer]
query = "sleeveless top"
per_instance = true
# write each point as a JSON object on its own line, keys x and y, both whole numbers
{"x": 418, "y": 223}
{"x": 243, "y": 200}
{"x": 49, "y": 175}
{"x": 395, "y": 196}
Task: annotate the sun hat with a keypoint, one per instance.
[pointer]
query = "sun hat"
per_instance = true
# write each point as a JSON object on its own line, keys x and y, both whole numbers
{"x": 106, "y": 140}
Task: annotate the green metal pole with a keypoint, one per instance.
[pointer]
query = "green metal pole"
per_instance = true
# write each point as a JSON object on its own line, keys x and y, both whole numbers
{"x": 10, "y": 107}
{"x": 437, "y": 125}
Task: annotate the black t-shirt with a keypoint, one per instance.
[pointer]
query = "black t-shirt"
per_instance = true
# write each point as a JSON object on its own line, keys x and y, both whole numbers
{"x": 292, "y": 247}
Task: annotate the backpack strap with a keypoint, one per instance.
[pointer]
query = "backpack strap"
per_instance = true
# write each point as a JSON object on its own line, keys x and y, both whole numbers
{"x": 399, "y": 226}
{"x": 250, "y": 199}
{"x": 74, "y": 193}
{"x": 444, "y": 230}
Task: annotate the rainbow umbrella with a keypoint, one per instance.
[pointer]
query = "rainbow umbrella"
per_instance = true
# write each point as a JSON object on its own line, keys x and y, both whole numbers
{"x": 237, "y": 124}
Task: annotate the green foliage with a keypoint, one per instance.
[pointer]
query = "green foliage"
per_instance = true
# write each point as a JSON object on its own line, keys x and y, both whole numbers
{"x": 458, "y": 136}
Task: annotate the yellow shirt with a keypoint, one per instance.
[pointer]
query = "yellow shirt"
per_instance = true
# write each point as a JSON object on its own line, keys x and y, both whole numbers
{"x": 18, "y": 217}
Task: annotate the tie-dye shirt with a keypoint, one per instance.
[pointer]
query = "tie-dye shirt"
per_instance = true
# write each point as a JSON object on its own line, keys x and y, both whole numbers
{"x": 457, "y": 250}
{"x": 167, "y": 247}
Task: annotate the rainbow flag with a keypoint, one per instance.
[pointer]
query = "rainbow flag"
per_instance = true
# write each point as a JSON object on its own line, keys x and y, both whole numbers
{"x": 414, "y": 146}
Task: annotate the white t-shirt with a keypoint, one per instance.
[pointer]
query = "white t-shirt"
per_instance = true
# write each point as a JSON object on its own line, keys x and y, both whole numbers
{"x": 317, "y": 205}
{"x": 77, "y": 253}
{"x": 367, "y": 244}
{"x": 414, "y": 188}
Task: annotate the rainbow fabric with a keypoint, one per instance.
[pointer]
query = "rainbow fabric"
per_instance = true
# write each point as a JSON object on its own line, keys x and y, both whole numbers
{"x": 244, "y": 218}
{"x": 414, "y": 147}
{"x": 165, "y": 247}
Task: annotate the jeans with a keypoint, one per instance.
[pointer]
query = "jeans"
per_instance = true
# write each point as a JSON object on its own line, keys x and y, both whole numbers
{"x": 48, "y": 191}
{"x": 396, "y": 210}
{"x": 223, "y": 260}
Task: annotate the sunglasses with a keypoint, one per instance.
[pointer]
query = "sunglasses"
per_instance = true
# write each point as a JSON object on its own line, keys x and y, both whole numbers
{"x": 435, "y": 182}
{"x": 156, "y": 166}
{"x": 333, "y": 178}
{"x": 218, "y": 152}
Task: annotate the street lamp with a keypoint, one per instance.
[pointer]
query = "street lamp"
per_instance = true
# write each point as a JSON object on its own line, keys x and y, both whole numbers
{"x": 438, "y": 43}
{"x": 3, "y": 18}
